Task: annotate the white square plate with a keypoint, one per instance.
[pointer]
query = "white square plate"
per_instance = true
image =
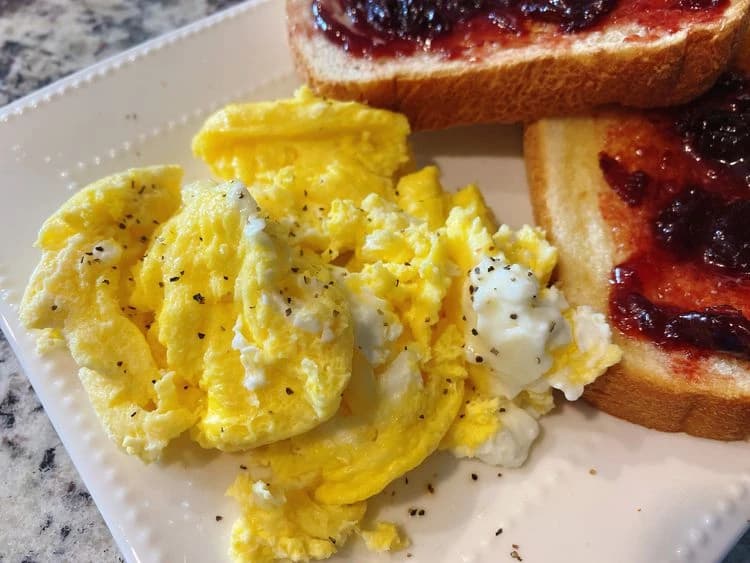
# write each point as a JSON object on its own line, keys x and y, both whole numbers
{"x": 652, "y": 496}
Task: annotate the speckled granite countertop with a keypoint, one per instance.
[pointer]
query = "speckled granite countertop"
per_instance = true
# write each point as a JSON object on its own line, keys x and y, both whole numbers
{"x": 47, "y": 514}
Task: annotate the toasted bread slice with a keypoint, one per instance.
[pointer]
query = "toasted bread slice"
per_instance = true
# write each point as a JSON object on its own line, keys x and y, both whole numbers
{"x": 524, "y": 83}
{"x": 647, "y": 387}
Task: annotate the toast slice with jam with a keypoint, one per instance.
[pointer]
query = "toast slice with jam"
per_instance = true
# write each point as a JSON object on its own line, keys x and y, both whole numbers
{"x": 474, "y": 61}
{"x": 650, "y": 211}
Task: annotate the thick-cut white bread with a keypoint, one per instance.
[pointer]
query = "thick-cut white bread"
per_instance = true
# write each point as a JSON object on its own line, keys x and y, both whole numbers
{"x": 646, "y": 387}
{"x": 587, "y": 69}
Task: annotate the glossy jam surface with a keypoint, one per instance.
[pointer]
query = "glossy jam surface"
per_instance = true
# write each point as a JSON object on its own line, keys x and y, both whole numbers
{"x": 680, "y": 213}
{"x": 630, "y": 186}
{"x": 454, "y": 27}
{"x": 700, "y": 226}
{"x": 715, "y": 328}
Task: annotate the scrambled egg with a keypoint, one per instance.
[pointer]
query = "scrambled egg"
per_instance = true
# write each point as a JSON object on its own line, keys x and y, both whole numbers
{"x": 326, "y": 308}
{"x": 522, "y": 339}
{"x": 188, "y": 310}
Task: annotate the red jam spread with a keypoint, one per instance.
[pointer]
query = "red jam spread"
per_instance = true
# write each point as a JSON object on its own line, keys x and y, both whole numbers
{"x": 383, "y": 28}
{"x": 680, "y": 213}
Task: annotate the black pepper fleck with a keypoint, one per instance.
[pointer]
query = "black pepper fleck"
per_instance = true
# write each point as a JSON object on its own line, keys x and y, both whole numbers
{"x": 201, "y": 335}
{"x": 48, "y": 460}
{"x": 289, "y": 391}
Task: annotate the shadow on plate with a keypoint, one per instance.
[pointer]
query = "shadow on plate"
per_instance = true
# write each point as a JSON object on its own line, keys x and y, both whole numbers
{"x": 471, "y": 141}
{"x": 629, "y": 444}
{"x": 185, "y": 452}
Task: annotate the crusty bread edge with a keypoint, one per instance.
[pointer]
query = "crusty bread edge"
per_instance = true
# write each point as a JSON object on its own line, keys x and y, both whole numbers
{"x": 665, "y": 73}
{"x": 626, "y": 390}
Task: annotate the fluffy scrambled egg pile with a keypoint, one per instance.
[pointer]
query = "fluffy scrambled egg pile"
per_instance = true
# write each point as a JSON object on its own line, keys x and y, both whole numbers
{"x": 323, "y": 307}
